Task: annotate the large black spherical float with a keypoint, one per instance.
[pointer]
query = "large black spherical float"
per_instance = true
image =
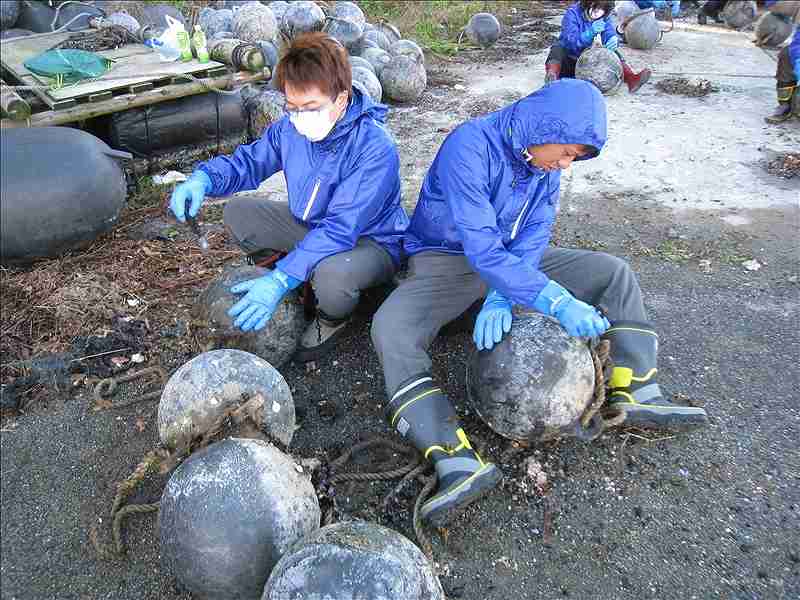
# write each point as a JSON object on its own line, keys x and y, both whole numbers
{"x": 61, "y": 188}
{"x": 350, "y": 560}
{"x": 200, "y": 391}
{"x": 483, "y": 29}
{"x": 602, "y": 67}
{"x": 275, "y": 343}
{"x": 228, "y": 514}
{"x": 535, "y": 384}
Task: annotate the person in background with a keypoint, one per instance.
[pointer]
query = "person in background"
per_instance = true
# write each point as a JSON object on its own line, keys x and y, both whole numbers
{"x": 582, "y": 22}
{"x": 343, "y": 223}
{"x": 713, "y": 9}
{"x": 480, "y": 231}
{"x": 674, "y": 5}
{"x": 787, "y": 77}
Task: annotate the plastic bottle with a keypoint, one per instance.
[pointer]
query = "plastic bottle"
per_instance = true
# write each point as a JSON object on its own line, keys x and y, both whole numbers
{"x": 199, "y": 41}
{"x": 184, "y": 45}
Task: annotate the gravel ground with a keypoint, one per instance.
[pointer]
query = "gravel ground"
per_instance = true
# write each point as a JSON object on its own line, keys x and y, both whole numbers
{"x": 708, "y": 514}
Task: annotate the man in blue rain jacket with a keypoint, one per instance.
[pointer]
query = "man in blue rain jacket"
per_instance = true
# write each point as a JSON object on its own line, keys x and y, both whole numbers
{"x": 481, "y": 229}
{"x": 581, "y": 23}
{"x": 343, "y": 223}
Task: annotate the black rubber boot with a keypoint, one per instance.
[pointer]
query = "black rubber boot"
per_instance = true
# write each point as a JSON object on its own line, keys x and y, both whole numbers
{"x": 633, "y": 386}
{"x": 421, "y": 413}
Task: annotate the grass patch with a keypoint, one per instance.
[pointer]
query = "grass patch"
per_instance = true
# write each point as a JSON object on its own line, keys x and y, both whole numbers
{"x": 435, "y": 24}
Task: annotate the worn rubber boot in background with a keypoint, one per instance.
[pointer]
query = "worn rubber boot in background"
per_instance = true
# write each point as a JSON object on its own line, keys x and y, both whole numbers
{"x": 633, "y": 386}
{"x": 784, "y": 110}
{"x": 552, "y": 72}
{"x": 320, "y": 337}
{"x": 421, "y": 413}
{"x": 634, "y": 80}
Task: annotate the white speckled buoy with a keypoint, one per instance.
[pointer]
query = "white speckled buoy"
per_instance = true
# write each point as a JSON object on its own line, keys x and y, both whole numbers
{"x": 228, "y": 514}
{"x": 535, "y": 384}
{"x": 403, "y": 79}
{"x": 276, "y": 343}
{"x": 353, "y": 559}
{"x": 602, "y": 67}
{"x": 369, "y": 83}
{"x": 200, "y": 391}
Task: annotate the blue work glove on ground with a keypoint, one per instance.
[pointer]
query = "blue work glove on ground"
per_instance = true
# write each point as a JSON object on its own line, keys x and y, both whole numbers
{"x": 612, "y": 43}
{"x": 493, "y": 321}
{"x": 262, "y": 297}
{"x": 194, "y": 188}
{"x": 597, "y": 27}
{"x": 578, "y": 318}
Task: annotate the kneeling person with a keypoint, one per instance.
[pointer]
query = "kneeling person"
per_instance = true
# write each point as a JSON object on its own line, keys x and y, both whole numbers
{"x": 481, "y": 229}
{"x": 582, "y": 22}
{"x": 343, "y": 222}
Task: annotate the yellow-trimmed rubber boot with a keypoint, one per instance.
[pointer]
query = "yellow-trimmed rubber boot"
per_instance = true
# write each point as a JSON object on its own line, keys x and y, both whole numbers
{"x": 633, "y": 386}
{"x": 784, "y": 110}
{"x": 421, "y": 413}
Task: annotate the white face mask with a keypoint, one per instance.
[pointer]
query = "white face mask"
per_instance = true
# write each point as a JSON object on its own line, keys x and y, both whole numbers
{"x": 313, "y": 124}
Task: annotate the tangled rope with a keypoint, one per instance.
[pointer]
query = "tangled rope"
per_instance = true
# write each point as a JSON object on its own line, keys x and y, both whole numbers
{"x": 244, "y": 415}
{"x": 592, "y": 422}
{"x": 107, "y": 38}
{"x": 107, "y": 387}
{"x": 413, "y": 470}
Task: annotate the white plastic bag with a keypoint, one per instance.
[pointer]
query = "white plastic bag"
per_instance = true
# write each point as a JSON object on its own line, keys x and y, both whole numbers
{"x": 167, "y": 44}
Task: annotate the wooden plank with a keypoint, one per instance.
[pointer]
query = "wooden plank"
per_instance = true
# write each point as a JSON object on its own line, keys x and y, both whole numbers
{"x": 127, "y": 71}
{"x": 88, "y": 111}
{"x": 101, "y": 96}
{"x": 134, "y": 64}
{"x": 138, "y": 88}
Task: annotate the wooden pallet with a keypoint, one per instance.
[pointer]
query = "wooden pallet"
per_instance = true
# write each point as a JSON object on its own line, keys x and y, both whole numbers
{"x": 140, "y": 68}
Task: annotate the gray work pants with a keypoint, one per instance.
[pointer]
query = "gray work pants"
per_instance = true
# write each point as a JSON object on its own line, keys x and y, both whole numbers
{"x": 260, "y": 223}
{"x": 440, "y": 287}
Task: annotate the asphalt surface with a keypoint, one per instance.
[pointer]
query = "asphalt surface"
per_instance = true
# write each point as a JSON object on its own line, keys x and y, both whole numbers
{"x": 710, "y": 514}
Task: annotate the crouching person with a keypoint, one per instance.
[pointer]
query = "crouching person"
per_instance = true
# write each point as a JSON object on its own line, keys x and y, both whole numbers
{"x": 788, "y": 80}
{"x": 343, "y": 221}
{"x": 582, "y": 22}
{"x": 481, "y": 229}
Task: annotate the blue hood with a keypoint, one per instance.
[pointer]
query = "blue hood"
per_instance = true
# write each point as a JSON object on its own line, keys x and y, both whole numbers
{"x": 482, "y": 199}
{"x": 568, "y": 111}
{"x": 361, "y": 105}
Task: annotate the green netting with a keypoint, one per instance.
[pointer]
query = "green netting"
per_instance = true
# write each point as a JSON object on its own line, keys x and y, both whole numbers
{"x": 68, "y": 65}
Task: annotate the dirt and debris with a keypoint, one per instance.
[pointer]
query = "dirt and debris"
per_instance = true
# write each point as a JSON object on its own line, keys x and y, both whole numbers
{"x": 626, "y": 516}
{"x": 691, "y": 88}
{"x": 786, "y": 166}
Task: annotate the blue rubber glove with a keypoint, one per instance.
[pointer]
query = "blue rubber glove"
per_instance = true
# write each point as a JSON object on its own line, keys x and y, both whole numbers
{"x": 578, "y": 318}
{"x": 676, "y": 8}
{"x": 612, "y": 43}
{"x": 797, "y": 69}
{"x": 597, "y": 27}
{"x": 659, "y": 4}
{"x": 262, "y": 297}
{"x": 493, "y": 321}
{"x": 194, "y": 188}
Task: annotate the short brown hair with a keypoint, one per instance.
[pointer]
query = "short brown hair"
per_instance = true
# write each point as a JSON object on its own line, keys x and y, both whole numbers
{"x": 315, "y": 60}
